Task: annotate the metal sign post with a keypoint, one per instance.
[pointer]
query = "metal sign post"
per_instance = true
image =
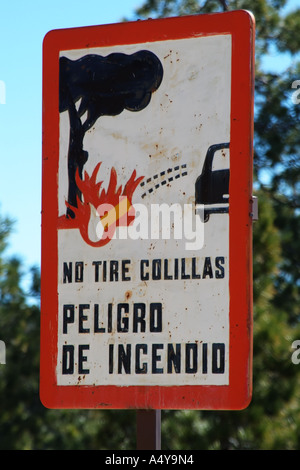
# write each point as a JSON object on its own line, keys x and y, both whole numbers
{"x": 148, "y": 431}
{"x": 146, "y": 289}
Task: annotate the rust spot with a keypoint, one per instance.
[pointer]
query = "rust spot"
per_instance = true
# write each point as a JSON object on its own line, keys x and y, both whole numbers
{"x": 128, "y": 294}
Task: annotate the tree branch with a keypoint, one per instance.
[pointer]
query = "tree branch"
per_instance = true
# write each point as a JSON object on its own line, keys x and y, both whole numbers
{"x": 224, "y": 5}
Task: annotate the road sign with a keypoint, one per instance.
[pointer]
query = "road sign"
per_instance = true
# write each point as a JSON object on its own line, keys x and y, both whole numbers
{"x": 146, "y": 214}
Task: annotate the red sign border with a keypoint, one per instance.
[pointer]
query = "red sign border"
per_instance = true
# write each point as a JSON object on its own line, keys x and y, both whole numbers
{"x": 237, "y": 395}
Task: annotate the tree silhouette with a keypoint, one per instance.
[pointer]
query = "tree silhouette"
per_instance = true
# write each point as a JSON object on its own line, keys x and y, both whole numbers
{"x": 106, "y": 86}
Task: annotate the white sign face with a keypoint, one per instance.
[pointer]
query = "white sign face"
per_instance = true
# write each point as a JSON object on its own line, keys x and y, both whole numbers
{"x": 143, "y": 273}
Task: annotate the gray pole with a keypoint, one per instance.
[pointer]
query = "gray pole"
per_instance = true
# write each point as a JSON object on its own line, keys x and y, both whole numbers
{"x": 148, "y": 429}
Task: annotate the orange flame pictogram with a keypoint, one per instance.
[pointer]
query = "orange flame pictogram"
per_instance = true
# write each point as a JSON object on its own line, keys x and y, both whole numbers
{"x": 111, "y": 207}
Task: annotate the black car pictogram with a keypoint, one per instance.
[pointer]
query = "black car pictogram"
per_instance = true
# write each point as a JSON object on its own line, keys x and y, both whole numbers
{"x": 212, "y": 186}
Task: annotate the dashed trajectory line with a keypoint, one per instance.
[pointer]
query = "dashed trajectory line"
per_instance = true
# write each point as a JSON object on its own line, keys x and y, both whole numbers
{"x": 163, "y": 177}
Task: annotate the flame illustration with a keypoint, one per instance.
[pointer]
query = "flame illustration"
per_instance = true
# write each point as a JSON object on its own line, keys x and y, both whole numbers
{"x": 100, "y": 211}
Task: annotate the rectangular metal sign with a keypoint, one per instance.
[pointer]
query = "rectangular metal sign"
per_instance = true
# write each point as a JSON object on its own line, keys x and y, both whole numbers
{"x": 146, "y": 214}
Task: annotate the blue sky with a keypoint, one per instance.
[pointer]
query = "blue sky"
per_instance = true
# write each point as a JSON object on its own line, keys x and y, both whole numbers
{"x": 23, "y": 25}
